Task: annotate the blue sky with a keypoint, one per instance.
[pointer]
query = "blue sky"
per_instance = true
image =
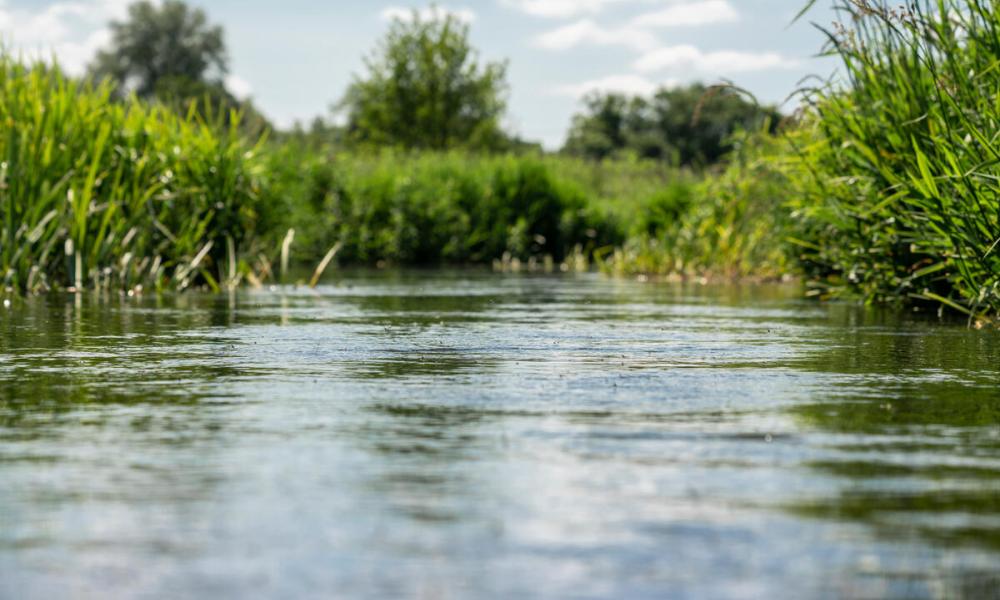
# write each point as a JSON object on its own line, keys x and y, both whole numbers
{"x": 296, "y": 57}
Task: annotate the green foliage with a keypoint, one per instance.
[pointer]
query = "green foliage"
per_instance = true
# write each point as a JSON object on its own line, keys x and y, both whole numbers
{"x": 171, "y": 54}
{"x": 425, "y": 88}
{"x": 732, "y": 224}
{"x": 169, "y": 41}
{"x": 687, "y": 126}
{"x": 431, "y": 208}
{"x": 887, "y": 186}
{"x": 108, "y": 194}
{"x": 900, "y": 188}
{"x": 212, "y": 101}
{"x": 603, "y": 130}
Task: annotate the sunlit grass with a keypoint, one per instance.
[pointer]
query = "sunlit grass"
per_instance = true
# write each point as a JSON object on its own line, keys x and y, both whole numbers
{"x": 899, "y": 188}
{"x": 102, "y": 194}
{"x": 886, "y": 186}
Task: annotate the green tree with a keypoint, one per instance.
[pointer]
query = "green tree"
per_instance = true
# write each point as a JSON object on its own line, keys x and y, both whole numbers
{"x": 160, "y": 46}
{"x": 170, "y": 53}
{"x": 601, "y": 131}
{"x": 425, "y": 88}
{"x": 688, "y": 126}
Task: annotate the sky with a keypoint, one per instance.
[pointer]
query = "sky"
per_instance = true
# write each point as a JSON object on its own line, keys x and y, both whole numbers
{"x": 295, "y": 58}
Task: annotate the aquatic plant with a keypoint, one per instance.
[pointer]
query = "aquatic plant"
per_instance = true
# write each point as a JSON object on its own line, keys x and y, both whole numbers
{"x": 899, "y": 190}
{"x": 115, "y": 195}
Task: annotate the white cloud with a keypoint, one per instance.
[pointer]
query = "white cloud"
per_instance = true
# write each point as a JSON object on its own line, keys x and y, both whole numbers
{"x": 429, "y": 13}
{"x": 630, "y": 84}
{"x": 588, "y": 32}
{"x": 71, "y": 31}
{"x": 561, "y": 8}
{"x": 239, "y": 87}
{"x": 691, "y": 14}
{"x": 726, "y": 61}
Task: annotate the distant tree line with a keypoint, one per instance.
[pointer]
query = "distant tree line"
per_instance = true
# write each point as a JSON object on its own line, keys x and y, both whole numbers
{"x": 686, "y": 126}
{"x": 423, "y": 87}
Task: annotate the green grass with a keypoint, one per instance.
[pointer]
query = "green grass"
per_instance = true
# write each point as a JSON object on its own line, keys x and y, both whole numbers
{"x": 732, "y": 223}
{"x": 898, "y": 187}
{"x": 886, "y": 186}
{"x": 101, "y": 194}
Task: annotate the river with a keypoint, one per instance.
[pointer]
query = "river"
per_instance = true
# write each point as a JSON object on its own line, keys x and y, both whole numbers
{"x": 457, "y": 434}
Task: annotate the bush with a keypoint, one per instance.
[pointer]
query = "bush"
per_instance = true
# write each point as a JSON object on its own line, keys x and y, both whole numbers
{"x": 733, "y": 223}
{"x": 433, "y": 208}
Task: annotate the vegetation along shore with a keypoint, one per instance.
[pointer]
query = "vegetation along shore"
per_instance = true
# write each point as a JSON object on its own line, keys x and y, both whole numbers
{"x": 884, "y": 185}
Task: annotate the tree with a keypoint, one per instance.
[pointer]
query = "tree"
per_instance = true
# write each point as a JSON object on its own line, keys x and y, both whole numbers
{"x": 425, "y": 88}
{"x": 171, "y": 54}
{"x": 162, "y": 46}
{"x": 688, "y": 126}
{"x": 602, "y": 130}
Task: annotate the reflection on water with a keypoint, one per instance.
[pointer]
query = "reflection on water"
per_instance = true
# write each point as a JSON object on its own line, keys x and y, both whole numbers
{"x": 453, "y": 435}
{"x": 918, "y": 435}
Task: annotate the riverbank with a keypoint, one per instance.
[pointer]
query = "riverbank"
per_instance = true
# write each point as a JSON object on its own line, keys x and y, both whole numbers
{"x": 884, "y": 187}
{"x": 472, "y": 434}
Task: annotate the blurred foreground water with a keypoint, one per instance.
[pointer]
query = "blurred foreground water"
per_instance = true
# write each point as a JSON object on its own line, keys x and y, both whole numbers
{"x": 463, "y": 435}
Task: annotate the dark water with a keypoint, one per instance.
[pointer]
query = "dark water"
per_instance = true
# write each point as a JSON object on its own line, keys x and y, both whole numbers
{"x": 437, "y": 435}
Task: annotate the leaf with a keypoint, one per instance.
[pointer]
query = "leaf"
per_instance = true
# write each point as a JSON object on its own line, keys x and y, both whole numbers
{"x": 803, "y": 12}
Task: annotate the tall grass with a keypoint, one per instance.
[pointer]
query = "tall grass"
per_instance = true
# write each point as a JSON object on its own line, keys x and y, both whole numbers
{"x": 102, "y": 194}
{"x": 96, "y": 193}
{"x": 887, "y": 185}
{"x": 898, "y": 189}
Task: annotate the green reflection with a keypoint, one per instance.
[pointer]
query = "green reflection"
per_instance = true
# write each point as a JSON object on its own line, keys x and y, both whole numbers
{"x": 919, "y": 407}
{"x": 429, "y": 308}
{"x": 66, "y": 354}
{"x": 916, "y": 431}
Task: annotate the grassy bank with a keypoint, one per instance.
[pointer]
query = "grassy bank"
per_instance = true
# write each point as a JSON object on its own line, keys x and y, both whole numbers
{"x": 886, "y": 186}
{"x": 110, "y": 195}
{"x": 734, "y": 223}
{"x": 899, "y": 188}
{"x": 101, "y": 194}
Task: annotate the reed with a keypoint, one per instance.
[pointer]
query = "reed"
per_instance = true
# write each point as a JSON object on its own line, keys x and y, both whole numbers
{"x": 887, "y": 185}
{"x": 898, "y": 188}
{"x": 117, "y": 195}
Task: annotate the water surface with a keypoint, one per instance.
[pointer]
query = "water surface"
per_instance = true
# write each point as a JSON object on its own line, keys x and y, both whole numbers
{"x": 463, "y": 435}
